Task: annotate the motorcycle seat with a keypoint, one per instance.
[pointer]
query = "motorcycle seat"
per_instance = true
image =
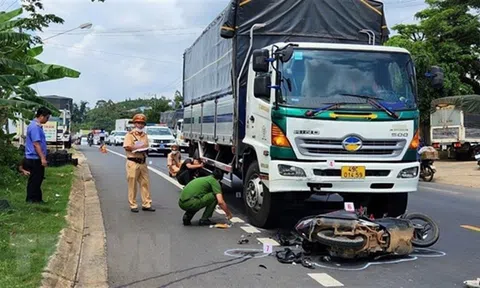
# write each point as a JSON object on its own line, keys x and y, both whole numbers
{"x": 341, "y": 214}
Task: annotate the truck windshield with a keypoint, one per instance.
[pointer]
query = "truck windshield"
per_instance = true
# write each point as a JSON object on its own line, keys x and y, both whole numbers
{"x": 313, "y": 78}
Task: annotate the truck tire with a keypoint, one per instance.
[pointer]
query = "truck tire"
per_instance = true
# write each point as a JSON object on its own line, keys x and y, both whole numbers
{"x": 261, "y": 206}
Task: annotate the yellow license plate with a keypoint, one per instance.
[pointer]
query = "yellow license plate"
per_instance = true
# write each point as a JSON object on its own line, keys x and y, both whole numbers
{"x": 353, "y": 172}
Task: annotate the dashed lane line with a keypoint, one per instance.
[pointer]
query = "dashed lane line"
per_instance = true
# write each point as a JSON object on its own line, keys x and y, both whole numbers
{"x": 325, "y": 280}
{"x": 158, "y": 172}
{"x": 470, "y": 227}
{"x": 250, "y": 229}
{"x": 268, "y": 241}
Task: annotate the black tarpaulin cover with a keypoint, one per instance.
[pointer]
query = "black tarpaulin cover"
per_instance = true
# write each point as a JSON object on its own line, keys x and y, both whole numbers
{"x": 208, "y": 62}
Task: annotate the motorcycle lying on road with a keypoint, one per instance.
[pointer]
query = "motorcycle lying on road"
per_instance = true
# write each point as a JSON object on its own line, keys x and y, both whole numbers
{"x": 427, "y": 170}
{"x": 352, "y": 235}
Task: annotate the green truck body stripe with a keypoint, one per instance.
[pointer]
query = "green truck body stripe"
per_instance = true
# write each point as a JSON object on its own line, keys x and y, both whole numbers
{"x": 279, "y": 118}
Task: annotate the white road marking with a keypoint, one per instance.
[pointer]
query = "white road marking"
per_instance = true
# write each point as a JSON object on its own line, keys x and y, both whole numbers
{"x": 268, "y": 241}
{"x": 250, "y": 229}
{"x": 160, "y": 173}
{"x": 325, "y": 280}
{"x": 439, "y": 190}
{"x": 236, "y": 220}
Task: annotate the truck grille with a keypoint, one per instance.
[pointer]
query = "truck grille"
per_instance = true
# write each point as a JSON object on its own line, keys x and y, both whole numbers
{"x": 326, "y": 147}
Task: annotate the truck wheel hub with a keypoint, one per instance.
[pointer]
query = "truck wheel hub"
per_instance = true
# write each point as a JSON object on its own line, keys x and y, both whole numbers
{"x": 254, "y": 194}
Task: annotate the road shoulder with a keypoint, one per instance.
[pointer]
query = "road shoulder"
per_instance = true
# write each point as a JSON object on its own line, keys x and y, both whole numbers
{"x": 80, "y": 257}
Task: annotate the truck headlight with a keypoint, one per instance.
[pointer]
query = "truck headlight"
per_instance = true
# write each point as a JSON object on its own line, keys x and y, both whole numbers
{"x": 287, "y": 170}
{"x": 408, "y": 173}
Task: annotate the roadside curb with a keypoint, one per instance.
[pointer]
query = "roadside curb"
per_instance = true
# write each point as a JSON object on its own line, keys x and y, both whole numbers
{"x": 80, "y": 258}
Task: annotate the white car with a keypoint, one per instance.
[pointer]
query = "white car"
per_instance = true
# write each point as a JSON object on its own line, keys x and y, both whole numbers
{"x": 160, "y": 139}
{"x": 118, "y": 138}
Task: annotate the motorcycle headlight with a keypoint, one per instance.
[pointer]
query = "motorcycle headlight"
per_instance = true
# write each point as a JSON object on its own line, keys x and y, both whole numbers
{"x": 287, "y": 170}
{"x": 408, "y": 173}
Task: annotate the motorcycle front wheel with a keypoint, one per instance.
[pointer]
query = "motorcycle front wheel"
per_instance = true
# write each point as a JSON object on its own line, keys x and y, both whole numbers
{"x": 425, "y": 235}
{"x": 326, "y": 237}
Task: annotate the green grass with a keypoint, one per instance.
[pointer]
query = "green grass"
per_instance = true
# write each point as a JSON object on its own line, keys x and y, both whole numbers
{"x": 29, "y": 232}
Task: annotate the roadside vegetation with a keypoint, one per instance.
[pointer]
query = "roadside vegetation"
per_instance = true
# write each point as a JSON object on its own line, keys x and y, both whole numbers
{"x": 29, "y": 233}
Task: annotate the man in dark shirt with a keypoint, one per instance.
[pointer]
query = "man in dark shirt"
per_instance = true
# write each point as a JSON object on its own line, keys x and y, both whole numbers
{"x": 203, "y": 192}
{"x": 189, "y": 170}
{"x": 36, "y": 155}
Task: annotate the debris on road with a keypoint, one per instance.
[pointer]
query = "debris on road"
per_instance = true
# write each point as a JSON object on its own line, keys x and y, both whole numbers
{"x": 287, "y": 256}
{"x": 221, "y": 226}
{"x": 262, "y": 266}
{"x": 243, "y": 241}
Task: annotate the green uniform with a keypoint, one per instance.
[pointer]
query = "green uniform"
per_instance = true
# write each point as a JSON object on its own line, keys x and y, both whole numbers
{"x": 200, "y": 193}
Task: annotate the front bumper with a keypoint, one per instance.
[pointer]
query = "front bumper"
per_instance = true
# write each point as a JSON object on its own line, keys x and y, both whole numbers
{"x": 321, "y": 177}
{"x": 160, "y": 148}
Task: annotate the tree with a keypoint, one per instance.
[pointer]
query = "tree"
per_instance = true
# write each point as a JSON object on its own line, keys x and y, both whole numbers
{"x": 447, "y": 35}
{"x": 19, "y": 69}
{"x": 178, "y": 99}
{"x": 79, "y": 112}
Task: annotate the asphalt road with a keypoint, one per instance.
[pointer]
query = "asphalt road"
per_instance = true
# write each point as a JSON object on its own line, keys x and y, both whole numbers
{"x": 155, "y": 250}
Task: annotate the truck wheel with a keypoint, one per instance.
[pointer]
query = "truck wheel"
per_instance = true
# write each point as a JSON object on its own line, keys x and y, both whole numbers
{"x": 259, "y": 202}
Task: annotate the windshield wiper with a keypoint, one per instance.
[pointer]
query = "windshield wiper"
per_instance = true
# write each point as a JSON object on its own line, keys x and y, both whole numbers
{"x": 372, "y": 100}
{"x": 314, "y": 112}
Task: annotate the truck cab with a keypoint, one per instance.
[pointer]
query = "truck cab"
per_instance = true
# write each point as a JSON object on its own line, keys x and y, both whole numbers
{"x": 179, "y": 135}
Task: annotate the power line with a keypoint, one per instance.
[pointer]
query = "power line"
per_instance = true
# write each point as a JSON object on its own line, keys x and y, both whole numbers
{"x": 116, "y": 54}
{"x": 129, "y": 35}
{"x": 11, "y": 4}
{"x": 136, "y": 30}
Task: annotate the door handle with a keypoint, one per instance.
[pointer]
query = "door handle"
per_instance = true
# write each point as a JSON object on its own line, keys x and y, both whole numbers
{"x": 252, "y": 118}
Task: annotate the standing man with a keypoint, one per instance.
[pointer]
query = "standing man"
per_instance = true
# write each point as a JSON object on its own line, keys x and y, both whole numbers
{"x": 137, "y": 170}
{"x": 36, "y": 155}
{"x": 102, "y": 137}
{"x": 204, "y": 192}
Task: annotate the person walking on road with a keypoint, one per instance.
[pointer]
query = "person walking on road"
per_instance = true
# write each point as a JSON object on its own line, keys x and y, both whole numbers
{"x": 36, "y": 155}
{"x": 204, "y": 192}
{"x": 137, "y": 170}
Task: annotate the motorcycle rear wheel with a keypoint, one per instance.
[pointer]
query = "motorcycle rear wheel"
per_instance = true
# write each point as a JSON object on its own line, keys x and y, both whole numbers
{"x": 418, "y": 237}
{"x": 428, "y": 174}
{"x": 327, "y": 238}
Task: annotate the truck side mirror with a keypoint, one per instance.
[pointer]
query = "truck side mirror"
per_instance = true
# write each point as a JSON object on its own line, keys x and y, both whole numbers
{"x": 437, "y": 77}
{"x": 262, "y": 86}
{"x": 287, "y": 54}
{"x": 260, "y": 60}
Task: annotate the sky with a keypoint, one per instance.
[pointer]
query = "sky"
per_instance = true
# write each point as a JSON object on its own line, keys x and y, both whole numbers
{"x": 134, "y": 48}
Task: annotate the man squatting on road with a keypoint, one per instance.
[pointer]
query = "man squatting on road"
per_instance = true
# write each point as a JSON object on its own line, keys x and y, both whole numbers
{"x": 137, "y": 170}
{"x": 203, "y": 192}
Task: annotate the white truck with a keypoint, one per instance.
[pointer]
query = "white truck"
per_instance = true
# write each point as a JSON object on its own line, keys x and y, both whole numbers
{"x": 123, "y": 124}
{"x": 295, "y": 98}
{"x": 454, "y": 128}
